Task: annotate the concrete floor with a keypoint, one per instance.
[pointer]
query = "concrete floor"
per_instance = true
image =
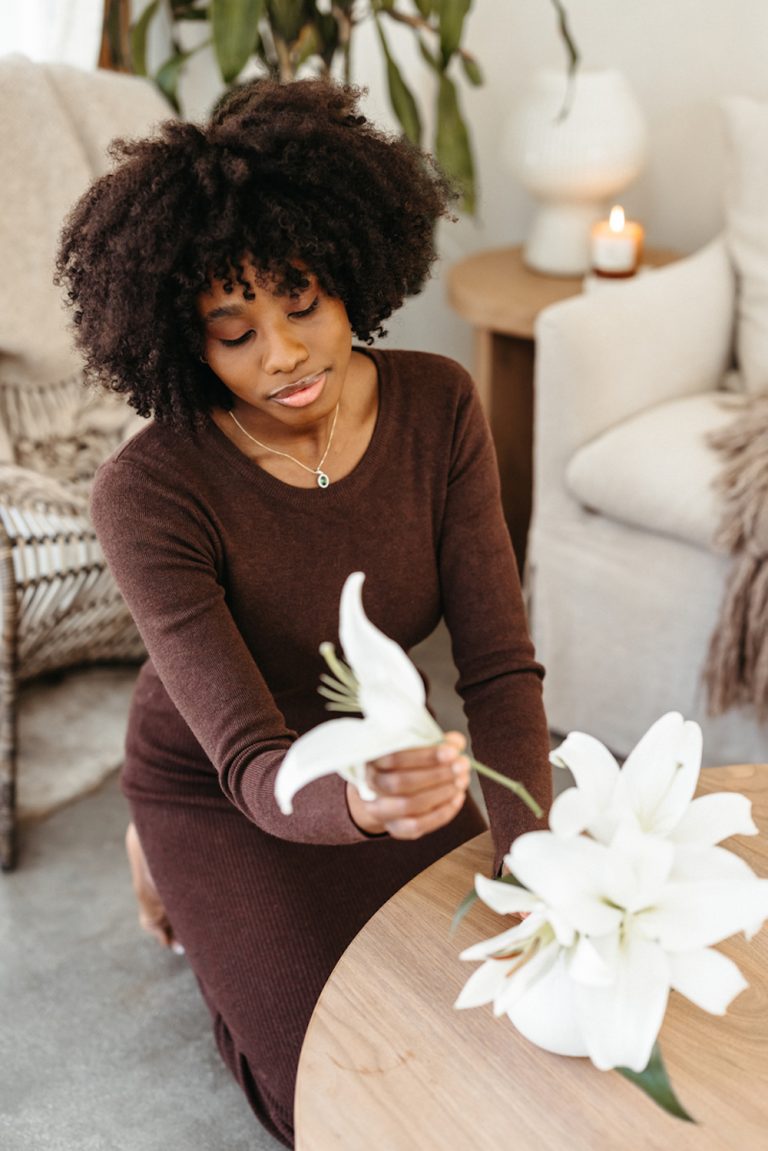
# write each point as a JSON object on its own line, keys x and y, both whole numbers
{"x": 105, "y": 1044}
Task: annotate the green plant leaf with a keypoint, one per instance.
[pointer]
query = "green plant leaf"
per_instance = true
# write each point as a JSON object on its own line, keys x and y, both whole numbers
{"x": 235, "y": 27}
{"x": 286, "y": 18}
{"x": 188, "y": 10}
{"x": 400, "y": 96}
{"x": 452, "y": 14}
{"x": 429, "y": 57}
{"x": 567, "y": 37}
{"x": 472, "y": 70}
{"x": 654, "y": 1081}
{"x": 307, "y": 44}
{"x": 139, "y": 39}
{"x": 425, "y": 8}
{"x": 167, "y": 78}
{"x": 452, "y": 146}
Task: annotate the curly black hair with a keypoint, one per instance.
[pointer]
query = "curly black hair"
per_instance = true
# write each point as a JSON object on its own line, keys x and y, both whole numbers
{"x": 281, "y": 173}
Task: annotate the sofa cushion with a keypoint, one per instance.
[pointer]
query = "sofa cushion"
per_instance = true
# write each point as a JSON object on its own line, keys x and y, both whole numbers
{"x": 746, "y": 215}
{"x": 656, "y": 470}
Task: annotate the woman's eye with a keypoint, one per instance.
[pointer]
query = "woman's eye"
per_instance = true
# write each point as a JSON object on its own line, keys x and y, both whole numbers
{"x": 235, "y": 343}
{"x": 306, "y": 311}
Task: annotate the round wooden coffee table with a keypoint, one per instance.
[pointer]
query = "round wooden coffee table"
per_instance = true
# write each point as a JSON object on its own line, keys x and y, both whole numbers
{"x": 389, "y": 1064}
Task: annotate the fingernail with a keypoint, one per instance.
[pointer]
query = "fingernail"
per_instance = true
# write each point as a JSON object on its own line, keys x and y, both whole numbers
{"x": 446, "y": 753}
{"x": 177, "y": 949}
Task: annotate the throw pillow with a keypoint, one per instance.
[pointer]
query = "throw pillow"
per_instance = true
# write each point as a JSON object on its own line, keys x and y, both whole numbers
{"x": 657, "y": 470}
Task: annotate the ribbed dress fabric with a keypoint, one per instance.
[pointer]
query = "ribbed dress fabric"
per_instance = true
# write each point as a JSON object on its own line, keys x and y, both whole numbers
{"x": 234, "y": 579}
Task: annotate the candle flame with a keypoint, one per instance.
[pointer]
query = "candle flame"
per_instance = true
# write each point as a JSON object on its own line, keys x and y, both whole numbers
{"x": 616, "y": 219}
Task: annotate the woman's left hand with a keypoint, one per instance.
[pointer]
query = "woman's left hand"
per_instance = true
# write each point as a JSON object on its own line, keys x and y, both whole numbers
{"x": 417, "y": 791}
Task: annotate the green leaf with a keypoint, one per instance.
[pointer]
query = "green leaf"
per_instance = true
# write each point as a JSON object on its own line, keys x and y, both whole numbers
{"x": 655, "y": 1082}
{"x": 565, "y": 32}
{"x": 452, "y": 13}
{"x": 286, "y": 18}
{"x": 472, "y": 70}
{"x": 167, "y": 78}
{"x": 235, "y": 27}
{"x": 307, "y": 44}
{"x": 425, "y": 8}
{"x": 139, "y": 39}
{"x": 188, "y": 10}
{"x": 400, "y": 95}
{"x": 469, "y": 899}
{"x": 428, "y": 56}
{"x": 452, "y": 146}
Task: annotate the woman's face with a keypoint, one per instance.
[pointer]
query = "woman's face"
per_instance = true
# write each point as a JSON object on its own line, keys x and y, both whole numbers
{"x": 283, "y": 357}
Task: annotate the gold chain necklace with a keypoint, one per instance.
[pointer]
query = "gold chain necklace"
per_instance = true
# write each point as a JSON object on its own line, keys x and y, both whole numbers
{"x": 321, "y": 477}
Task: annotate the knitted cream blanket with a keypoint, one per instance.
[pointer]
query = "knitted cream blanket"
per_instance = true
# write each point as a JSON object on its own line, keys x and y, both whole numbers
{"x": 736, "y": 671}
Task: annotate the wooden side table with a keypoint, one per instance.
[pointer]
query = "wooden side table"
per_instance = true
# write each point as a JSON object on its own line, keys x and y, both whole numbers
{"x": 501, "y": 298}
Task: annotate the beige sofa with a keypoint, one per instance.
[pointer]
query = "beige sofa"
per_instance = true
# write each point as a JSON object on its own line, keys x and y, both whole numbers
{"x": 624, "y": 579}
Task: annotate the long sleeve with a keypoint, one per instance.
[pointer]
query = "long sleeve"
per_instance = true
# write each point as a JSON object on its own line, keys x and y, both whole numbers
{"x": 500, "y": 681}
{"x": 166, "y": 554}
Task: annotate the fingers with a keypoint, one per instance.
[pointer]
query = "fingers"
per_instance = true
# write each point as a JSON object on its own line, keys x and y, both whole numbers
{"x": 420, "y": 789}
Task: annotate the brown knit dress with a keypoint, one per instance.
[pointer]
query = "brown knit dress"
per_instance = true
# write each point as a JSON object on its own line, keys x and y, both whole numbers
{"x": 234, "y": 579}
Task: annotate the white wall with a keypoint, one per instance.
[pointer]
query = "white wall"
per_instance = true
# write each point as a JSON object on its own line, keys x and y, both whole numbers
{"x": 680, "y": 57}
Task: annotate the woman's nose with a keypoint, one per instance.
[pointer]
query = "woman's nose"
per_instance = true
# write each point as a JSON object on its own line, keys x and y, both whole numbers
{"x": 284, "y": 351}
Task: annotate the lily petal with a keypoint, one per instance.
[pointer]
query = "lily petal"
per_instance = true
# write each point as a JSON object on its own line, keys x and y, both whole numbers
{"x": 693, "y": 915}
{"x": 323, "y": 750}
{"x": 650, "y": 860}
{"x": 514, "y": 939}
{"x": 660, "y": 774}
{"x": 520, "y": 980}
{"x": 571, "y": 812}
{"x": 707, "y": 978}
{"x": 505, "y": 898}
{"x": 570, "y": 876}
{"x": 482, "y": 986}
{"x": 620, "y": 1022}
{"x": 693, "y": 863}
{"x": 590, "y": 762}
{"x": 712, "y": 818}
{"x": 383, "y": 670}
{"x": 586, "y": 965}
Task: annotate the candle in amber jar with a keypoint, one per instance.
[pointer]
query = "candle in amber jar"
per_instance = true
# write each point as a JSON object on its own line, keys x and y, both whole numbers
{"x": 616, "y": 245}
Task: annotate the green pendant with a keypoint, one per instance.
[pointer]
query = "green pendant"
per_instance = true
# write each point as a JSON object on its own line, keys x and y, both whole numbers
{"x": 322, "y": 480}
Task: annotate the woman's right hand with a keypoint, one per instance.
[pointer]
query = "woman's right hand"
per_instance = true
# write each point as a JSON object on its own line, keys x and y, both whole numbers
{"x": 417, "y": 790}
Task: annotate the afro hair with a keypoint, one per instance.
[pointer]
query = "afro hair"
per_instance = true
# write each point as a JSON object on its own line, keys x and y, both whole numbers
{"x": 282, "y": 175}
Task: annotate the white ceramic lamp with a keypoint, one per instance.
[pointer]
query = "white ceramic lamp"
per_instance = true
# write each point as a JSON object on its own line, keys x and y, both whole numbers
{"x": 574, "y": 162}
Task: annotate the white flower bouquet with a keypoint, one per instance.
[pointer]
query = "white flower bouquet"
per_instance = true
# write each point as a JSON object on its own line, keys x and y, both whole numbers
{"x": 623, "y": 899}
{"x": 618, "y": 904}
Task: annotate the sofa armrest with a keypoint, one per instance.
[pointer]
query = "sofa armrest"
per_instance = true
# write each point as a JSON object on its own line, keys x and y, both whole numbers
{"x": 605, "y": 356}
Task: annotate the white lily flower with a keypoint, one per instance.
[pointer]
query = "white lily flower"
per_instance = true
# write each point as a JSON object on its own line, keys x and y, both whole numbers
{"x": 653, "y": 791}
{"x": 612, "y": 929}
{"x": 378, "y": 680}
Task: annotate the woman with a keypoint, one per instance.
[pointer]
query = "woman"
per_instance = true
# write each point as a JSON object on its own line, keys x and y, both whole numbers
{"x": 217, "y": 275}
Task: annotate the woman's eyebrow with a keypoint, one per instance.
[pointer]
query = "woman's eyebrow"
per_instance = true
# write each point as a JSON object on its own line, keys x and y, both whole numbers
{"x": 224, "y": 310}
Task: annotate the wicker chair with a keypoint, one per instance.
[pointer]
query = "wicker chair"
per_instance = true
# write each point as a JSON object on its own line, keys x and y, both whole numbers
{"x": 59, "y": 605}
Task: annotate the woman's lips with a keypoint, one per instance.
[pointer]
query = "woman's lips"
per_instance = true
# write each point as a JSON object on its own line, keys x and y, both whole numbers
{"x": 302, "y": 394}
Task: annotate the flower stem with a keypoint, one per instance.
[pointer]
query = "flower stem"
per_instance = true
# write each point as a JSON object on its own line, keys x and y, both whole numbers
{"x": 512, "y": 784}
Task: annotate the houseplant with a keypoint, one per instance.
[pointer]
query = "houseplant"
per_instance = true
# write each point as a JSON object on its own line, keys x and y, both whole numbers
{"x": 288, "y": 38}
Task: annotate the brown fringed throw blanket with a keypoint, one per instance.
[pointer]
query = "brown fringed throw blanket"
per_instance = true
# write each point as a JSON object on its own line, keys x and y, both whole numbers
{"x": 736, "y": 671}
